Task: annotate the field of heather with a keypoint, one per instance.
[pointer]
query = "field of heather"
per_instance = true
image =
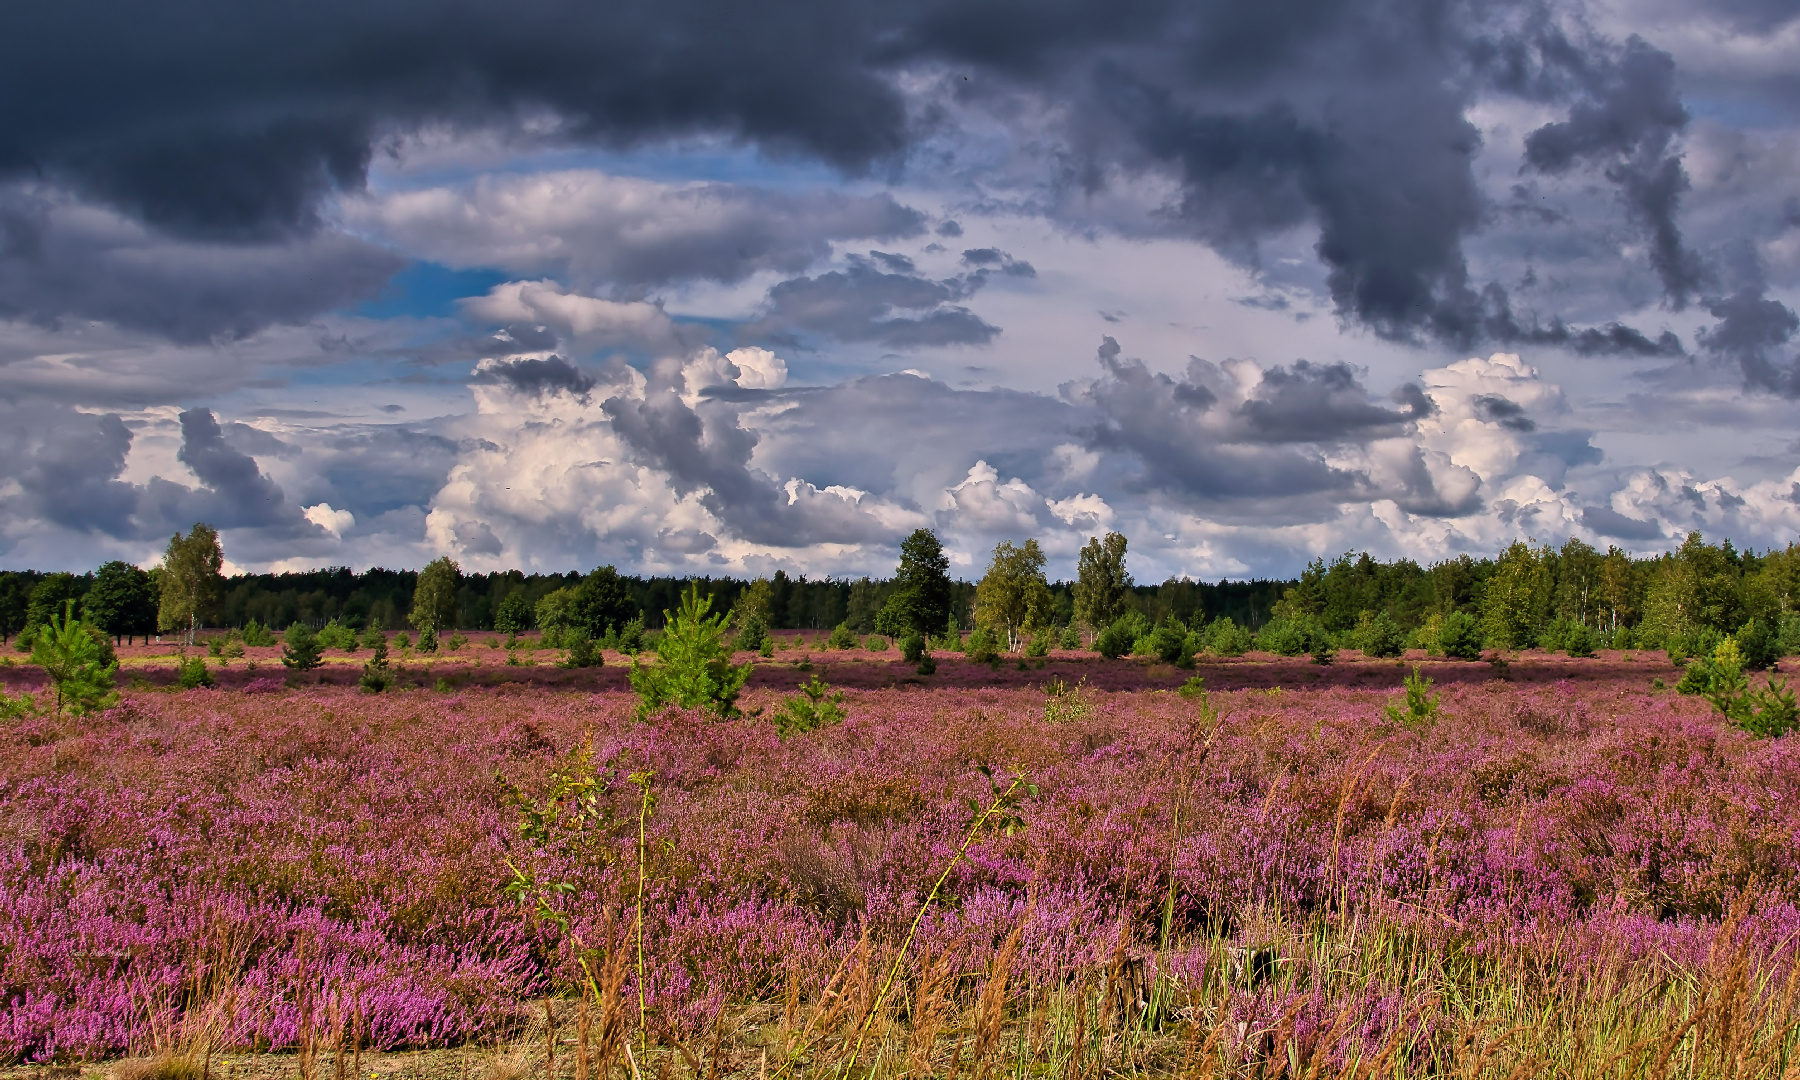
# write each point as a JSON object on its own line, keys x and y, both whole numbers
{"x": 1566, "y": 872}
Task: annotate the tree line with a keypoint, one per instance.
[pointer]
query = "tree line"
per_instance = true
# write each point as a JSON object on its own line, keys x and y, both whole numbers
{"x": 1526, "y": 595}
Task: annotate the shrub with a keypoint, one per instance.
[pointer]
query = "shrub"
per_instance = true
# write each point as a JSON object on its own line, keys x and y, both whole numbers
{"x": 402, "y": 640}
{"x": 1767, "y": 713}
{"x": 1224, "y": 637}
{"x": 1193, "y": 688}
{"x": 376, "y": 677}
{"x": 1379, "y": 636}
{"x": 752, "y": 633}
{"x": 514, "y": 614}
{"x": 582, "y": 651}
{"x": 458, "y": 640}
{"x": 1040, "y": 644}
{"x": 191, "y": 673}
{"x": 1758, "y": 644}
{"x": 814, "y": 707}
{"x": 767, "y": 649}
{"x": 875, "y": 643}
{"x": 301, "y": 651}
{"x": 428, "y": 639}
{"x": 1555, "y": 636}
{"x": 842, "y": 637}
{"x": 17, "y": 706}
{"x": 693, "y": 668}
{"x": 1787, "y": 641}
{"x": 1460, "y": 637}
{"x": 1579, "y": 640}
{"x": 1285, "y": 637}
{"x": 551, "y": 638}
{"x": 371, "y": 638}
{"x": 981, "y": 647}
{"x": 335, "y": 635}
{"x": 257, "y": 636}
{"x": 631, "y": 635}
{"x": 1621, "y": 638}
{"x": 1071, "y": 638}
{"x": 1323, "y": 651}
{"x": 1167, "y": 643}
{"x": 1117, "y": 639}
{"x": 912, "y": 648}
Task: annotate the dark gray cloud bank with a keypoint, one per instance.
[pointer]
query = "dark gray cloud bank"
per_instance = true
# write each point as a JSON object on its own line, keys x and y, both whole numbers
{"x": 195, "y": 181}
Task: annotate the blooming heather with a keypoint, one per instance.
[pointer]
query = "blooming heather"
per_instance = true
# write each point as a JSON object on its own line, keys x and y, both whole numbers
{"x": 281, "y": 855}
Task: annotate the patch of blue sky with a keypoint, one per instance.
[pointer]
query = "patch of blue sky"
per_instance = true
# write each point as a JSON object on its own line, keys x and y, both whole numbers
{"x": 426, "y": 290}
{"x": 715, "y": 161}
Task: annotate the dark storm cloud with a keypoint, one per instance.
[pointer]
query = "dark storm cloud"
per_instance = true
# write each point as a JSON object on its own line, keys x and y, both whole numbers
{"x": 1164, "y": 422}
{"x": 377, "y": 470}
{"x": 1347, "y": 119}
{"x": 863, "y": 303}
{"x": 1627, "y": 116}
{"x": 237, "y": 494}
{"x": 67, "y": 467}
{"x": 1324, "y": 403}
{"x": 537, "y": 377}
{"x": 61, "y": 261}
{"x": 1750, "y": 332}
{"x": 1497, "y": 409}
{"x": 1609, "y": 522}
{"x": 984, "y": 258}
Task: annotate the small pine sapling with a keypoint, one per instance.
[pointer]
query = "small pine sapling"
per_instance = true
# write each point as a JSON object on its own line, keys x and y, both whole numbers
{"x": 191, "y": 673}
{"x": 301, "y": 651}
{"x": 79, "y": 660}
{"x": 814, "y": 707}
{"x": 376, "y": 677}
{"x": 1421, "y": 705}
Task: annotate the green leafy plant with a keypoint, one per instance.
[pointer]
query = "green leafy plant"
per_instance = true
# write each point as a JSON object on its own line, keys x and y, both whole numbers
{"x": 457, "y": 641}
{"x": 1118, "y": 637}
{"x": 301, "y": 650}
{"x": 876, "y": 643}
{"x": 79, "y": 660}
{"x": 1040, "y": 643}
{"x": 1323, "y": 651}
{"x": 1767, "y": 713}
{"x": 582, "y": 652}
{"x": 18, "y": 706}
{"x": 1168, "y": 643}
{"x": 1224, "y": 637}
{"x": 370, "y": 637}
{"x": 191, "y": 673}
{"x": 842, "y": 637}
{"x": 428, "y": 639}
{"x": 1419, "y": 707}
{"x": 631, "y": 635}
{"x": 693, "y": 668}
{"x": 1071, "y": 637}
{"x": 257, "y": 636}
{"x": 814, "y": 707}
{"x": 1195, "y": 687}
{"x": 1065, "y": 704}
{"x": 1579, "y": 640}
{"x": 1378, "y": 635}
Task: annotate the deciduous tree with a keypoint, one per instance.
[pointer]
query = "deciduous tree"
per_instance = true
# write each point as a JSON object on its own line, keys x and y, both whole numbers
{"x": 434, "y": 597}
{"x": 920, "y": 602}
{"x": 191, "y": 580}
{"x": 1013, "y": 598}
{"x": 1101, "y": 582}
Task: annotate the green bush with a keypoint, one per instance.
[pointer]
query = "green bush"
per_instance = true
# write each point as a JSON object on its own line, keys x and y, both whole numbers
{"x": 1167, "y": 643}
{"x": 1759, "y": 644}
{"x": 1119, "y": 638}
{"x": 981, "y": 647}
{"x": 582, "y": 652}
{"x": 1787, "y": 639}
{"x": 1323, "y": 650}
{"x": 1420, "y": 708}
{"x": 912, "y": 648}
{"x": 551, "y": 638}
{"x": 457, "y": 641}
{"x": 1579, "y": 641}
{"x": 257, "y": 636}
{"x": 1040, "y": 643}
{"x": 842, "y": 637}
{"x": 371, "y": 638}
{"x": 1285, "y": 637}
{"x": 428, "y": 639}
{"x": 875, "y": 643}
{"x": 300, "y": 650}
{"x": 1224, "y": 637}
{"x": 1071, "y": 638}
{"x": 376, "y": 677}
{"x": 693, "y": 668}
{"x": 335, "y": 635}
{"x": 1460, "y": 636}
{"x": 191, "y": 673}
{"x": 752, "y": 633}
{"x": 631, "y": 636}
{"x": 1379, "y": 636}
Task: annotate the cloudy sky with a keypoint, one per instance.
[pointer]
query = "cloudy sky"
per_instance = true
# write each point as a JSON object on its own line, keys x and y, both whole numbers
{"x": 701, "y": 287}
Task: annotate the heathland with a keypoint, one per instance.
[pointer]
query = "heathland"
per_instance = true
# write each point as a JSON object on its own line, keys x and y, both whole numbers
{"x": 1042, "y": 866}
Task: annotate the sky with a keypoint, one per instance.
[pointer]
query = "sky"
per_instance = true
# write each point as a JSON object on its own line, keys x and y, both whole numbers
{"x": 707, "y": 287}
